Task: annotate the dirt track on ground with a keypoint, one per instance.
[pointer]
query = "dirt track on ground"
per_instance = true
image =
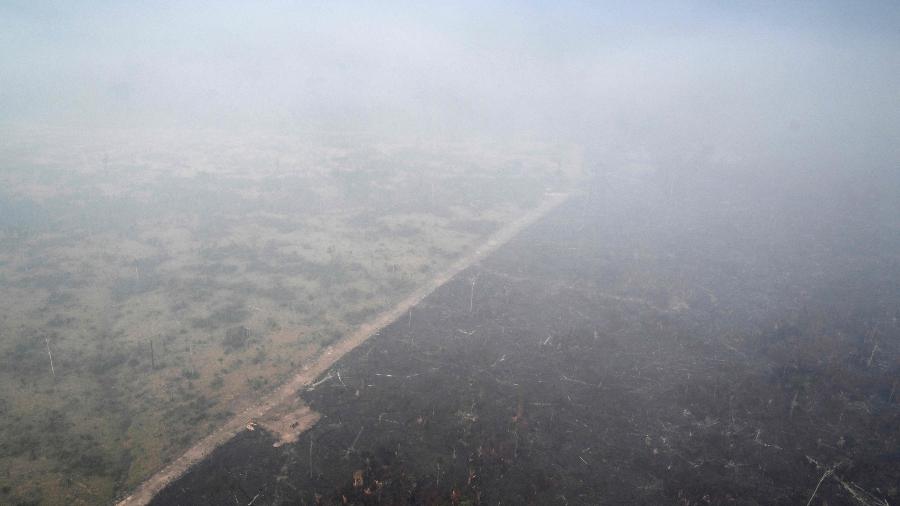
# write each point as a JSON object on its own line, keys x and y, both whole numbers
{"x": 286, "y": 393}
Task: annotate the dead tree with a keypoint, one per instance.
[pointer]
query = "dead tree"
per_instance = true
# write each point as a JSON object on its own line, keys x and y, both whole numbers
{"x": 191, "y": 357}
{"x": 472, "y": 294}
{"x": 52, "y": 370}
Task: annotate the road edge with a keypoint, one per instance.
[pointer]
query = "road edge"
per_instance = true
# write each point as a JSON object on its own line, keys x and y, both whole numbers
{"x": 147, "y": 490}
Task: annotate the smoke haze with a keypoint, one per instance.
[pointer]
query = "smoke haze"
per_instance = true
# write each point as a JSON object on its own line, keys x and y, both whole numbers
{"x": 757, "y": 83}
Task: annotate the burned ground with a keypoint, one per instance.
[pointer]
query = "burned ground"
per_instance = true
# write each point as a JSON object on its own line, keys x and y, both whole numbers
{"x": 616, "y": 352}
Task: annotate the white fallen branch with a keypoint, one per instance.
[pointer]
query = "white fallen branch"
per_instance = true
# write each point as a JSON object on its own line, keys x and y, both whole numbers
{"x": 580, "y": 382}
{"x": 872, "y": 355}
{"x": 859, "y": 494}
{"x": 353, "y": 445}
{"x": 323, "y": 380}
{"x": 826, "y": 474}
{"x": 794, "y": 404}
{"x": 757, "y": 440}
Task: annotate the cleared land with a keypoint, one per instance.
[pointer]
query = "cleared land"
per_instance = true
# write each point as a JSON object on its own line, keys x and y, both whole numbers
{"x": 625, "y": 350}
{"x": 175, "y": 286}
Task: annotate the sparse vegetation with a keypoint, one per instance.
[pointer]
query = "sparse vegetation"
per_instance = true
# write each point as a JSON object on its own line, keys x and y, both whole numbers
{"x": 170, "y": 298}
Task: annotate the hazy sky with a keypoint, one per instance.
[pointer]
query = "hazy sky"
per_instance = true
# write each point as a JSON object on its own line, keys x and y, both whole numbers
{"x": 818, "y": 81}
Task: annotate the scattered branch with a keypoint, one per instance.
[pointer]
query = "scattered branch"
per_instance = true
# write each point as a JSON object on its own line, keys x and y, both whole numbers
{"x": 859, "y": 494}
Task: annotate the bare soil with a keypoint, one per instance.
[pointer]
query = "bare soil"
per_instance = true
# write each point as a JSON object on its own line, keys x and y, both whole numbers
{"x": 616, "y": 352}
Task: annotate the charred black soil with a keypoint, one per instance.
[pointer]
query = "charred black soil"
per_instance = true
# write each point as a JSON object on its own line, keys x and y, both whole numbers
{"x": 616, "y": 352}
